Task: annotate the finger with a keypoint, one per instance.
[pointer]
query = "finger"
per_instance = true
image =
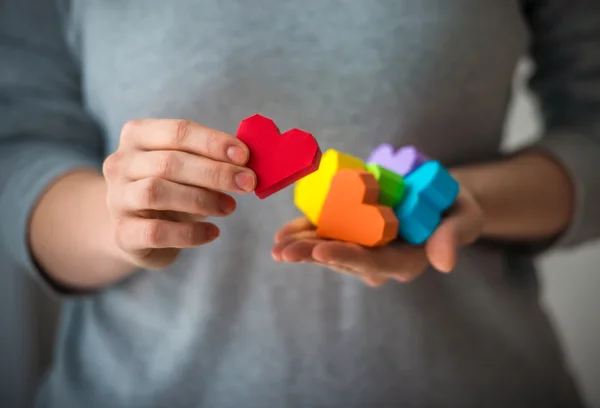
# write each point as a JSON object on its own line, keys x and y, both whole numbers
{"x": 354, "y": 256}
{"x": 401, "y": 262}
{"x": 297, "y": 225}
{"x": 299, "y": 251}
{"x": 343, "y": 269}
{"x": 461, "y": 227}
{"x": 186, "y": 136}
{"x": 186, "y": 168}
{"x": 310, "y": 234}
{"x": 287, "y": 241}
{"x": 138, "y": 234}
{"x": 469, "y": 218}
{"x": 155, "y": 193}
{"x": 441, "y": 247}
{"x": 375, "y": 281}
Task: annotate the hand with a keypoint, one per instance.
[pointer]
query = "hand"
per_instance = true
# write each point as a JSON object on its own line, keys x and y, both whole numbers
{"x": 298, "y": 242}
{"x": 164, "y": 179}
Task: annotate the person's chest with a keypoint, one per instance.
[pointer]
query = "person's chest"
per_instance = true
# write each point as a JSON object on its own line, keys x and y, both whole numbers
{"x": 356, "y": 73}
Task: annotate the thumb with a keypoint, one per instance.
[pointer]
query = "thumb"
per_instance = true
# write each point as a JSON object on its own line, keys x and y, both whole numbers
{"x": 462, "y": 226}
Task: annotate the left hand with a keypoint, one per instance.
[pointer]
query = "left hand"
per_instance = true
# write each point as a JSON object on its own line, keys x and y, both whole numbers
{"x": 297, "y": 241}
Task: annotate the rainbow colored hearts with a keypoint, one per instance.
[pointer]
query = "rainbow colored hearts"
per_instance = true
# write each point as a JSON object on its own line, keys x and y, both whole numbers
{"x": 391, "y": 185}
{"x": 311, "y": 191}
{"x": 339, "y": 198}
{"x": 351, "y": 211}
{"x": 397, "y": 193}
{"x": 402, "y": 162}
{"x": 431, "y": 190}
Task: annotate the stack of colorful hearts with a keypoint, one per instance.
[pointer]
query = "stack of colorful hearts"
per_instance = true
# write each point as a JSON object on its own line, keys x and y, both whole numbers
{"x": 393, "y": 194}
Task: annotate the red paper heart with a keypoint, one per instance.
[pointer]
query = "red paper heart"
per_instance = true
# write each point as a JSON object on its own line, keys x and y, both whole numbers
{"x": 277, "y": 159}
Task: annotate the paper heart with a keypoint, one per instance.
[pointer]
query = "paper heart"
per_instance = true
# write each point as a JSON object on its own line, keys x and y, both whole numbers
{"x": 403, "y": 162}
{"x": 278, "y": 160}
{"x": 391, "y": 185}
{"x": 418, "y": 219}
{"x": 351, "y": 213}
{"x": 311, "y": 191}
{"x": 431, "y": 190}
{"x": 433, "y": 182}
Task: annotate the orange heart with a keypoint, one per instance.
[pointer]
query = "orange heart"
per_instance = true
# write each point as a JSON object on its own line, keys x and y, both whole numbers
{"x": 351, "y": 211}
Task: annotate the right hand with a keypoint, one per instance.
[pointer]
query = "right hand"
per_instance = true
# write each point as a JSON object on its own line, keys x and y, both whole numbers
{"x": 165, "y": 178}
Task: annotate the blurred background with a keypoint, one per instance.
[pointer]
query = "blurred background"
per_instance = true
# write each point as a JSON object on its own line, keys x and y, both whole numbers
{"x": 570, "y": 280}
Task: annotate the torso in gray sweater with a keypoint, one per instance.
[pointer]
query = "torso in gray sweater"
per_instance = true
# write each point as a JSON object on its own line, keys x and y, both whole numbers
{"x": 226, "y": 326}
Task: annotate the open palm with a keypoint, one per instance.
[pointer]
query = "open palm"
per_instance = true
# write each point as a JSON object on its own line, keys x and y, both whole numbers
{"x": 297, "y": 241}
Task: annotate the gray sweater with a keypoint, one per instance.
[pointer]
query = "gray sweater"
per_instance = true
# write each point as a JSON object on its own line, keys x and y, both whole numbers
{"x": 226, "y": 326}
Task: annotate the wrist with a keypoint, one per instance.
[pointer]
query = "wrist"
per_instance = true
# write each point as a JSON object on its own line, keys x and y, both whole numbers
{"x": 71, "y": 234}
{"x": 516, "y": 198}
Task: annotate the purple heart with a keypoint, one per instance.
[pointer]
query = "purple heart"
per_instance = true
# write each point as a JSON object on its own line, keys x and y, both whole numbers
{"x": 402, "y": 162}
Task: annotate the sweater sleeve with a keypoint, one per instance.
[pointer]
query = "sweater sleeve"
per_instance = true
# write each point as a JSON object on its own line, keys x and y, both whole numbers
{"x": 44, "y": 129}
{"x": 565, "y": 49}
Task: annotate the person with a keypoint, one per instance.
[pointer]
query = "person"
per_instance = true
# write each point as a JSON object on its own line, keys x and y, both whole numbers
{"x": 124, "y": 191}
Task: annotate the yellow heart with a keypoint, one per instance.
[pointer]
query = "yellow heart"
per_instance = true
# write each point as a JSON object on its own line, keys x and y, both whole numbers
{"x": 311, "y": 191}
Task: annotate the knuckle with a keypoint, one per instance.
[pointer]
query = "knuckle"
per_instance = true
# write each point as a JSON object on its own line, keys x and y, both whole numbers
{"x": 199, "y": 199}
{"x": 151, "y": 192}
{"x": 220, "y": 175}
{"x": 180, "y": 132}
{"x": 211, "y": 140}
{"x": 110, "y": 167}
{"x": 207, "y": 203}
{"x": 130, "y": 129}
{"x": 152, "y": 233}
{"x": 211, "y": 174}
{"x": 187, "y": 234}
{"x": 166, "y": 163}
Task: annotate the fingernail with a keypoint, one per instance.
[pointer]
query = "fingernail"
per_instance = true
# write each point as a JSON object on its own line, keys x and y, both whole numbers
{"x": 227, "y": 204}
{"x": 237, "y": 154}
{"x": 245, "y": 181}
